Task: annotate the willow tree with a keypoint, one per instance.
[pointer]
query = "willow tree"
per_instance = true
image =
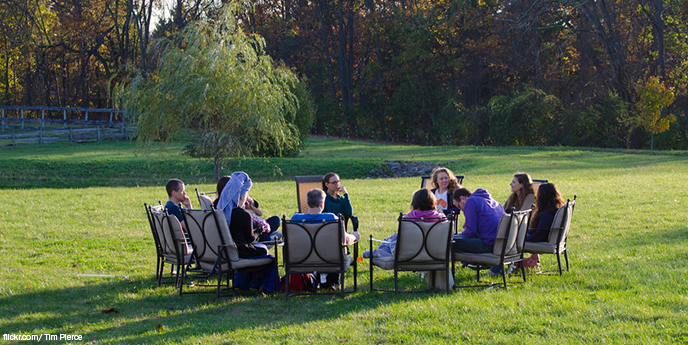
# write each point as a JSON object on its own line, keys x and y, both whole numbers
{"x": 216, "y": 82}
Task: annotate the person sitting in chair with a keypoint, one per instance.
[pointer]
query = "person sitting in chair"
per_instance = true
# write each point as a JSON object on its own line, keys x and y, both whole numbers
{"x": 423, "y": 208}
{"x": 337, "y": 199}
{"x": 316, "y": 204}
{"x": 482, "y": 214}
{"x": 444, "y": 183}
{"x": 177, "y": 194}
{"x": 315, "y": 198}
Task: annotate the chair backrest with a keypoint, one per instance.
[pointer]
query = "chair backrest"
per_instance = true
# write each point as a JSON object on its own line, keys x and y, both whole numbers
{"x": 152, "y": 222}
{"x": 170, "y": 235}
{"x": 319, "y": 243}
{"x": 208, "y": 230}
{"x": 511, "y": 228}
{"x": 422, "y": 240}
{"x": 426, "y": 181}
{"x": 562, "y": 223}
{"x": 303, "y": 185}
{"x": 204, "y": 200}
{"x": 537, "y": 183}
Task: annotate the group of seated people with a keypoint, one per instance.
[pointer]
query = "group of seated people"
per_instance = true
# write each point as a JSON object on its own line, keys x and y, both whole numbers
{"x": 481, "y": 212}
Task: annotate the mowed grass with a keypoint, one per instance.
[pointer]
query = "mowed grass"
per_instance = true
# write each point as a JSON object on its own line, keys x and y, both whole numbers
{"x": 71, "y": 210}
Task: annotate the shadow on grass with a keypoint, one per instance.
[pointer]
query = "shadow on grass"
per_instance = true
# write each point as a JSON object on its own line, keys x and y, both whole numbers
{"x": 138, "y": 311}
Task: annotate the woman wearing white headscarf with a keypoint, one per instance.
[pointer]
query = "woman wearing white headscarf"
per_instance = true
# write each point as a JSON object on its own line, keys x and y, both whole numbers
{"x": 231, "y": 200}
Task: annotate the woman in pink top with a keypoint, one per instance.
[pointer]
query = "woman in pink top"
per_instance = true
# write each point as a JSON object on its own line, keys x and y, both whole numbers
{"x": 422, "y": 208}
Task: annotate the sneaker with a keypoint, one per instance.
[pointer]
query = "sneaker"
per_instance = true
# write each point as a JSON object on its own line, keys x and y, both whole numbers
{"x": 366, "y": 254}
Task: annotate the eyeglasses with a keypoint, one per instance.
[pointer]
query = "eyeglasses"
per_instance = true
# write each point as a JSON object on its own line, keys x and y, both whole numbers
{"x": 334, "y": 182}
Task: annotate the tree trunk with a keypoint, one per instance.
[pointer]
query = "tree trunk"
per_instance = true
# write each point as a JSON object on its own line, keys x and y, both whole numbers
{"x": 216, "y": 167}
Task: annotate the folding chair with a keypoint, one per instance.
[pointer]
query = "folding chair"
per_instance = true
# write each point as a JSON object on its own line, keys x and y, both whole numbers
{"x": 311, "y": 247}
{"x": 508, "y": 247}
{"x": 175, "y": 249}
{"x": 420, "y": 246}
{"x": 426, "y": 181}
{"x": 215, "y": 250}
{"x": 558, "y": 235}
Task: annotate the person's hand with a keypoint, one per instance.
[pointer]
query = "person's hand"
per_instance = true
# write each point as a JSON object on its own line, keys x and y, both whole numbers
{"x": 187, "y": 202}
{"x": 343, "y": 190}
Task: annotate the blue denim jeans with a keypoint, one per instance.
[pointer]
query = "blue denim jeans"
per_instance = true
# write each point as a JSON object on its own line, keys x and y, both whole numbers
{"x": 470, "y": 245}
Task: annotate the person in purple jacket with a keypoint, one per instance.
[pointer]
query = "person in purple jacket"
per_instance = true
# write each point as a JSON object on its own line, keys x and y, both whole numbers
{"x": 482, "y": 214}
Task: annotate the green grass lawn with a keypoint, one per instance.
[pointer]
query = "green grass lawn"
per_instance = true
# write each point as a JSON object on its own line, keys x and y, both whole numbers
{"x": 75, "y": 210}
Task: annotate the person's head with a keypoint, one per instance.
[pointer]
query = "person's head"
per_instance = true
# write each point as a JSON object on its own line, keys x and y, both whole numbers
{"x": 444, "y": 178}
{"x": 522, "y": 184}
{"x": 423, "y": 200}
{"x": 315, "y": 198}
{"x": 236, "y": 189}
{"x": 460, "y": 196}
{"x": 331, "y": 183}
{"x": 176, "y": 190}
{"x": 221, "y": 183}
{"x": 548, "y": 197}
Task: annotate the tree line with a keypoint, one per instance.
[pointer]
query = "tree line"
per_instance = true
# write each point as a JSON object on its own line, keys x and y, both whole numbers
{"x": 604, "y": 73}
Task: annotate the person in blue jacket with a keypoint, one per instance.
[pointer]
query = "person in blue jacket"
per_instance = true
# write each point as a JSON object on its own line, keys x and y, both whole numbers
{"x": 482, "y": 214}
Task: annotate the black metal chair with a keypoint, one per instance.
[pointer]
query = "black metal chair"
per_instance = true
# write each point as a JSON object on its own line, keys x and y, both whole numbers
{"x": 422, "y": 244}
{"x": 317, "y": 247}
{"x": 558, "y": 235}
{"x": 175, "y": 249}
{"x": 215, "y": 250}
{"x": 508, "y": 247}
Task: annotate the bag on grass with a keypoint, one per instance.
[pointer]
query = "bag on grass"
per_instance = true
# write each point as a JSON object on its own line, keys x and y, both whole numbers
{"x": 299, "y": 282}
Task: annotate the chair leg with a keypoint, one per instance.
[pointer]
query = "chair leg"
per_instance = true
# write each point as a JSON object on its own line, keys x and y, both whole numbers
{"x": 355, "y": 276}
{"x": 523, "y": 271}
{"x": 370, "y": 261}
{"x": 341, "y": 285}
{"x": 396, "y": 281}
{"x": 219, "y": 283}
{"x": 447, "y": 275}
{"x": 504, "y": 277}
{"x": 181, "y": 272}
{"x": 157, "y": 267}
{"x": 566, "y": 258}
{"x": 559, "y": 261}
{"x": 162, "y": 267}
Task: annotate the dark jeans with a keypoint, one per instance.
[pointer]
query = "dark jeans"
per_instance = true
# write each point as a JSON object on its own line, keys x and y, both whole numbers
{"x": 274, "y": 222}
{"x": 470, "y": 245}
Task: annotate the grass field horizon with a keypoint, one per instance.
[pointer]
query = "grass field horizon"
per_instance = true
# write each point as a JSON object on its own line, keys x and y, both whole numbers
{"x": 72, "y": 212}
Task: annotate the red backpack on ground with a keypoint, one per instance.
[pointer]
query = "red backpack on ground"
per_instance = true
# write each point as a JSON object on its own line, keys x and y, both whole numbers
{"x": 299, "y": 282}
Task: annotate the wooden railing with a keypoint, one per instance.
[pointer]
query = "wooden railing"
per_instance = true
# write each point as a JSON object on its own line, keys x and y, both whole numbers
{"x": 40, "y": 125}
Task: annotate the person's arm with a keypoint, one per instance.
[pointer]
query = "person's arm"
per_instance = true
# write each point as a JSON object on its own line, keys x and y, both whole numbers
{"x": 347, "y": 209}
{"x": 250, "y": 205}
{"x": 470, "y": 213}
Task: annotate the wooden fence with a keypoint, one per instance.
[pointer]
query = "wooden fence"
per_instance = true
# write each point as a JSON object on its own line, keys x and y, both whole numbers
{"x": 75, "y": 135}
{"x": 40, "y": 125}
